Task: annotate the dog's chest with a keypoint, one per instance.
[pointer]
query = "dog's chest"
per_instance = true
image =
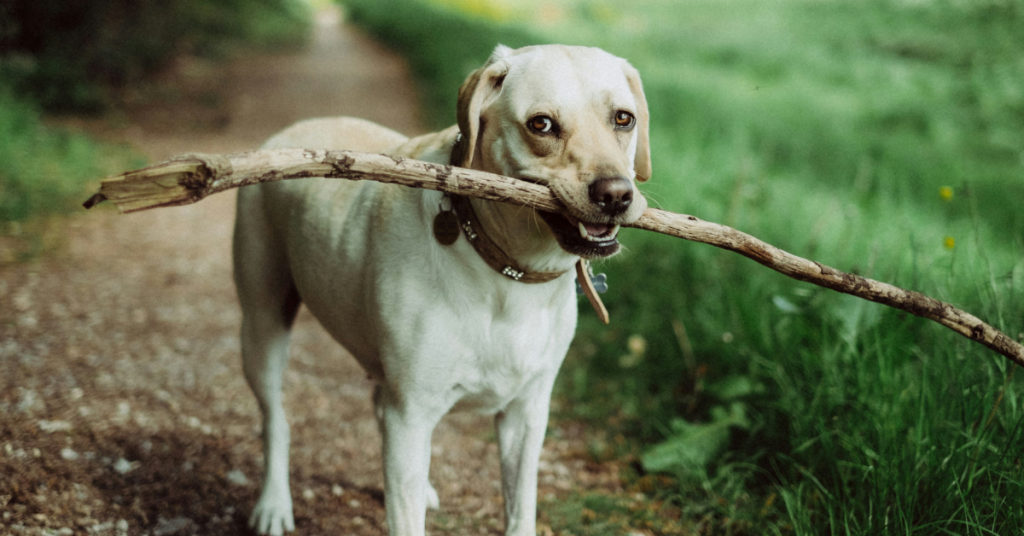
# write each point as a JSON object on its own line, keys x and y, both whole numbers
{"x": 510, "y": 355}
{"x": 479, "y": 352}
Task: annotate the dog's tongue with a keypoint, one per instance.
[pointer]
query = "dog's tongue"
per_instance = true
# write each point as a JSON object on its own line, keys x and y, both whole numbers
{"x": 596, "y": 229}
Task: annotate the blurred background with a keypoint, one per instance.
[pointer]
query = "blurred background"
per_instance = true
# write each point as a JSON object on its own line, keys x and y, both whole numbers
{"x": 882, "y": 137}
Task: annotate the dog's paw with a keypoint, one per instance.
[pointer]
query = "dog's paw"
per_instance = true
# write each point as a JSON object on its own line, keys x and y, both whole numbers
{"x": 272, "y": 515}
{"x": 433, "y": 501}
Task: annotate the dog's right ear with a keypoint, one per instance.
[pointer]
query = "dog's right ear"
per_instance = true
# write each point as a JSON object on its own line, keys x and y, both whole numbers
{"x": 479, "y": 90}
{"x": 642, "y": 162}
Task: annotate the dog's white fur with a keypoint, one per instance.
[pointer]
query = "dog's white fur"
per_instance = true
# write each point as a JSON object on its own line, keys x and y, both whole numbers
{"x": 433, "y": 325}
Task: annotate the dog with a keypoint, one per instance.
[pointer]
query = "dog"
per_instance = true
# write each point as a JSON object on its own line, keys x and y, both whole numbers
{"x": 447, "y": 303}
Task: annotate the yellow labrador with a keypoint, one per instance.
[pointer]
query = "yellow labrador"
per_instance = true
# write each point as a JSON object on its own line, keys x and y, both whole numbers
{"x": 448, "y": 303}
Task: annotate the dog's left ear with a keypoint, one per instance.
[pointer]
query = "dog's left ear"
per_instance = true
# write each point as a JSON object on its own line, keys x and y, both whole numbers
{"x": 479, "y": 90}
{"x": 642, "y": 162}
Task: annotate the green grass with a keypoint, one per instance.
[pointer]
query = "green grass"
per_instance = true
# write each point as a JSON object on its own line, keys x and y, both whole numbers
{"x": 45, "y": 170}
{"x": 827, "y": 129}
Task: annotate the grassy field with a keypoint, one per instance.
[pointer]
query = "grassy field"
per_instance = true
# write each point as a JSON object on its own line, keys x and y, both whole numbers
{"x": 884, "y": 138}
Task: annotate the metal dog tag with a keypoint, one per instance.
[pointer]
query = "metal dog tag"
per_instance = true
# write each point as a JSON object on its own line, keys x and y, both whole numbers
{"x": 586, "y": 285}
{"x": 599, "y": 282}
{"x": 446, "y": 227}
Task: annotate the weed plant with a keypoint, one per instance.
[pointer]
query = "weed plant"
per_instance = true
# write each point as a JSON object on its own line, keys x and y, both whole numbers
{"x": 883, "y": 138}
{"x": 44, "y": 170}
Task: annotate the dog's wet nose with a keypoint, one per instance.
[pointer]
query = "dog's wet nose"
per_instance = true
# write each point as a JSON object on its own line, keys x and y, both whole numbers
{"x": 611, "y": 194}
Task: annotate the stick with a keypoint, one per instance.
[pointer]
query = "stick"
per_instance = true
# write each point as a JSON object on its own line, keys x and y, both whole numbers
{"x": 189, "y": 178}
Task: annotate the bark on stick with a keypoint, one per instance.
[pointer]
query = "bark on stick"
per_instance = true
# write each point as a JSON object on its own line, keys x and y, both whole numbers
{"x": 189, "y": 178}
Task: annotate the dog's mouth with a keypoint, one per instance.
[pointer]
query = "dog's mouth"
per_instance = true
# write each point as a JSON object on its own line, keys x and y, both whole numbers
{"x": 586, "y": 239}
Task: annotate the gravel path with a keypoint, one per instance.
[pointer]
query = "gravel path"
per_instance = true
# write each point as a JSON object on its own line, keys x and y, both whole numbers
{"x": 122, "y": 404}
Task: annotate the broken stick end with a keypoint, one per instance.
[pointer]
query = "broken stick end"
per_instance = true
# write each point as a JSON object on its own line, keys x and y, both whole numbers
{"x": 96, "y": 199}
{"x": 177, "y": 182}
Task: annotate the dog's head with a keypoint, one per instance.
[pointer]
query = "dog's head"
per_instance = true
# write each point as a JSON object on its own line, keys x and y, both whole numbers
{"x": 572, "y": 118}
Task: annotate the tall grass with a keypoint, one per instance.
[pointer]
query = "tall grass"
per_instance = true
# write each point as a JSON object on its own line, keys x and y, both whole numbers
{"x": 880, "y": 137}
{"x": 44, "y": 170}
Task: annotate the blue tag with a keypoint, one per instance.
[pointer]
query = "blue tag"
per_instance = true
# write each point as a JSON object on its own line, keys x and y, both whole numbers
{"x": 600, "y": 282}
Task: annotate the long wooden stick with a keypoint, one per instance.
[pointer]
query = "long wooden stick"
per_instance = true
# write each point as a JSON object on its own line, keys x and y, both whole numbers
{"x": 187, "y": 179}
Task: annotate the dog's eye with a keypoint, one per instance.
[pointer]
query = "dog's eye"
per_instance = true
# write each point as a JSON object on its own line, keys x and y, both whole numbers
{"x": 541, "y": 124}
{"x": 624, "y": 119}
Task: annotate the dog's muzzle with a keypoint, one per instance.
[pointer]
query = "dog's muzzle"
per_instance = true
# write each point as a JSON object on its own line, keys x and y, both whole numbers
{"x": 586, "y": 239}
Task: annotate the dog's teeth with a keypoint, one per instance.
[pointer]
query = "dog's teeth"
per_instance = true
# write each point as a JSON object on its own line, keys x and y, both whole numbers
{"x": 615, "y": 231}
{"x": 583, "y": 231}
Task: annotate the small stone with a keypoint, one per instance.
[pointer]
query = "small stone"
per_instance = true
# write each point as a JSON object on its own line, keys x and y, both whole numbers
{"x": 354, "y": 503}
{"x": 54, "y": 426}
{"x": 77, "y": 393}
{"x": 308, "y": 494}
{"x": 68, "y": 454}
{"x": 123, "y": 466}
{"x": 36, "y": 453}
{"x": 165, "y": 527}
{"x": 65, "y": 531}
{"x": 237, "y": 478}
{"x": 337, "y": 490}
{"x": 22, "y": 301}
{"x": 121, "y": 525}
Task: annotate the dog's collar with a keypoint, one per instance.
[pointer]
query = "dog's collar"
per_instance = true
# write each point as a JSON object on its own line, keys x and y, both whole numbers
{"x": 470, "y": 225}
{"x": 489, "y": 251}
{"x": 466, "y": 220}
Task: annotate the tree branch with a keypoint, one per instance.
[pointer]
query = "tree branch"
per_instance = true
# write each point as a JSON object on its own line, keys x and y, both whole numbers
{"x": 189, "y": 178}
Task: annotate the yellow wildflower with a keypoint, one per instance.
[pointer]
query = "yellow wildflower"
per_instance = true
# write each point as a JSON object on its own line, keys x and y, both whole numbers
{"x": 946, "y": 193}
{"x": 485, "y": 9}
{"x": 949, "y": 242}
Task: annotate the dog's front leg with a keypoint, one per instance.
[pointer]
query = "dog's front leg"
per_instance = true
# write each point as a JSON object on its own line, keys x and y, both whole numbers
{"x": 407, "y": 429}
{"x": 521, "y": 428}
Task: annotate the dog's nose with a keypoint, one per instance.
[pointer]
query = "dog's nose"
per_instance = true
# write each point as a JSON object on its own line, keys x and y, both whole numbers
{"x": 611, "y": 194}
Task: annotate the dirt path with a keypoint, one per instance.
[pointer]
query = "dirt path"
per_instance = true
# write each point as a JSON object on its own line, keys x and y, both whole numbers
{"x": 122, "y": 404}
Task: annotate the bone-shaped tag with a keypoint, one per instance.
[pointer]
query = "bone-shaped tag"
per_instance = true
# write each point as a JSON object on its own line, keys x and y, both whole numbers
{"x": 600, "y": 282}
{"x": 585, "y": 284}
